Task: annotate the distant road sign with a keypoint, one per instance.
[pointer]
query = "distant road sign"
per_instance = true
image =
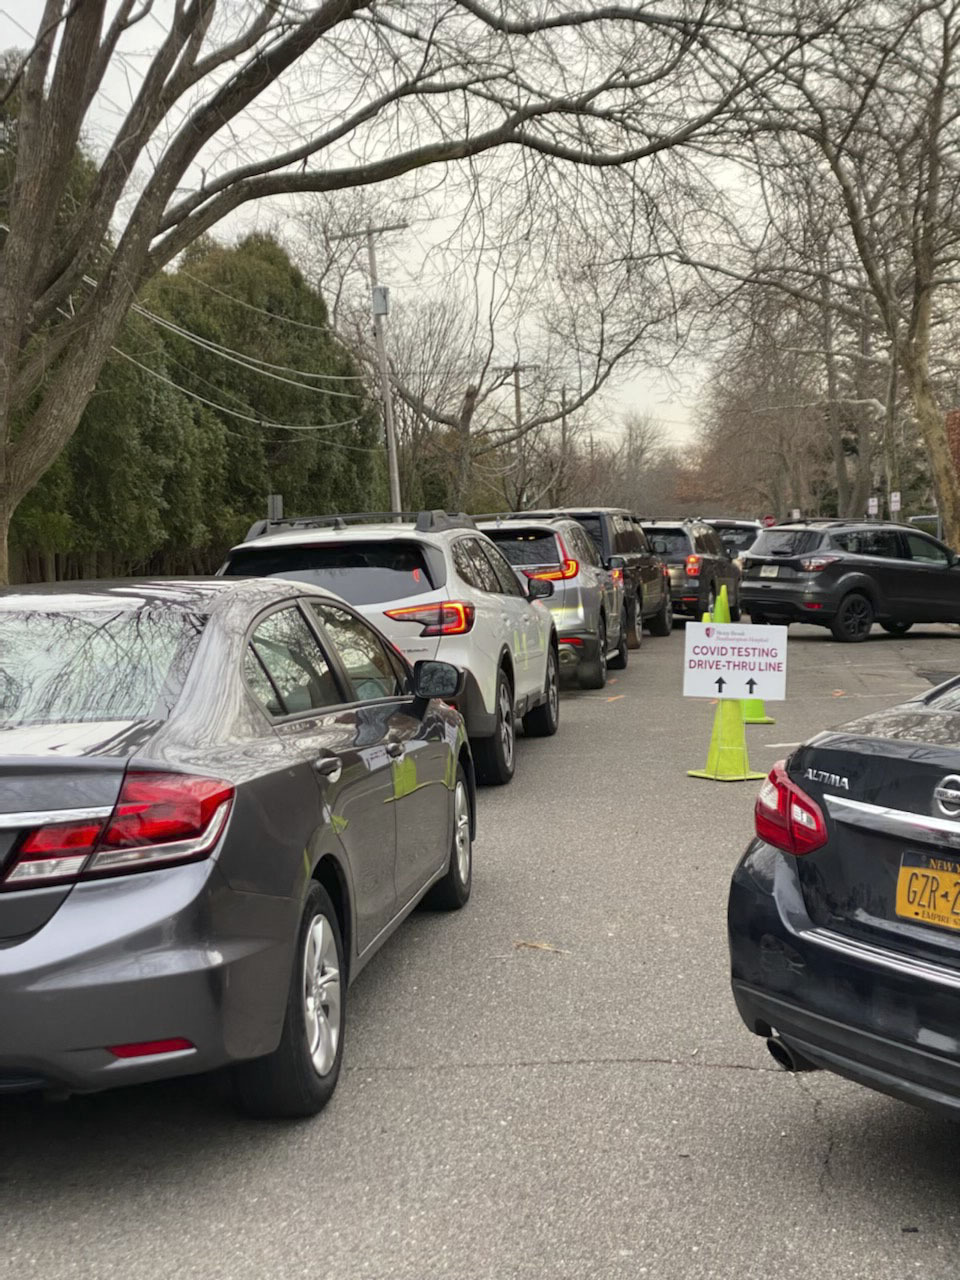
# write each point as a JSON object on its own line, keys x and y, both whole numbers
{"x": 894, "y": 501}
{"x": 735, "y": 660}
{"x": 769, "y": 521}
{"x": 873, "y": 506}
{"x": 795, "y": 513}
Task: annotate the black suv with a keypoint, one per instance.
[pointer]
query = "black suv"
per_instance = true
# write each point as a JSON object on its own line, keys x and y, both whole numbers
{"x": 699, "y": 565}
{"x": 619, "y": 538}
{"x": 848, "y": 574}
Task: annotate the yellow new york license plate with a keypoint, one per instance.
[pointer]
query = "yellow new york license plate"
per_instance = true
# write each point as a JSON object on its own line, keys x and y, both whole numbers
{"x": 928, "y": 890}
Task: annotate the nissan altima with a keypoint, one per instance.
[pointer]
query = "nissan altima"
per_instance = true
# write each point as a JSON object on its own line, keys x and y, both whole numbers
{"x": 218, "y": 799}
{"x": 844, "y": 913}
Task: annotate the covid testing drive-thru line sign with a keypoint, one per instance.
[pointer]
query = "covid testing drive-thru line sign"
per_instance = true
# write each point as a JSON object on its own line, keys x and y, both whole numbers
{"x": 735, "y": 660}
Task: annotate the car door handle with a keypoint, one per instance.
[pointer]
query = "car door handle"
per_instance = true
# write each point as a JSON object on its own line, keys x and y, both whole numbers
{"x": 329, "y": 767}
{"x": 395, "y": 749}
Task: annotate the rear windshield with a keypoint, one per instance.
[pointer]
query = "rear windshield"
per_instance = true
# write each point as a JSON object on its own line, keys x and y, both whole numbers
{"x": 675, "y": 541}
{"x": 361, "y": 572}
{"x": 736, "y": 539}
{"x": 93, "y": 664}
{"x": 786, "y": 542}
{"x": 592, "y": 525}
{"x": 526, "y": 546}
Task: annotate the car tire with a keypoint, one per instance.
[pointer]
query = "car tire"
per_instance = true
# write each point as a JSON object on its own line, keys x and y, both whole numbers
{"x": 495, "y": 757}
{"x": 711, "y": 603}
{"x": 453, "y": 891}
{"x": 735, "y": 610}
{"x": 619, "y": 660}
{"x": 593, "y": 674}
{"x": 298, "y": 1079}
{"x": 759, "y": 619}
{"x": 544, "y": 721}
{"x": 896, "y": 628}
{"x": 635, "y": 627}
{"x": 662, "y": 622}
{"x": 854, "y": 618}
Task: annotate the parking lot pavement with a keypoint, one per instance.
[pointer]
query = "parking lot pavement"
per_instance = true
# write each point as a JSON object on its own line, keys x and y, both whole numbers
{"x": 553, "y": 1083}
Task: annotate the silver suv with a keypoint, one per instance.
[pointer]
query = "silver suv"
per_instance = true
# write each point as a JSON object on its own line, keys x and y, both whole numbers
{"x": 588, "y": 604}
{"x": 437, "y": 588}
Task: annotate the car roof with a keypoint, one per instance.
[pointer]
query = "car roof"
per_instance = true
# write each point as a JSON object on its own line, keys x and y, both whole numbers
{"x": 550, "y": 523}
{"x": 679, "y": 523}
{"x": 191, "y": 595}
{"x": 737, "y": 522}
{"x": 850, "y": 522}
{"x": 573, "y": 512}
{"x": 310, "y": 537}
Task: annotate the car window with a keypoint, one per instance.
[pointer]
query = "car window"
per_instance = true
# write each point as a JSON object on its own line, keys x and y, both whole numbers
{"x": 675, "y": 541}
{"x": 705, "y": 541}
{"x": 581, "y": 544}
{"x": 641, "y": 537}
{"x": 463, "y": 562}
{"x": 509, "y": 583}
{"x": 926, "y": 551}
{"x": 107, "y": 663}
{"x": 485, "y": 578}
{"x": 736, "y": 538}
{"x": 361, "y": 652}
{"x": 786, "y": 542}
{"x": 526, "y": 546}
{"x": 288, "y": 654}
{"x": 361, "y": 572}
{"x": 591, "y": 524}
{"x": 869, "y": 542}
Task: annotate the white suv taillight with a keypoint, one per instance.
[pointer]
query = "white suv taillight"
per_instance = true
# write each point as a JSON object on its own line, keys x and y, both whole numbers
{"x": 159, "y": 819}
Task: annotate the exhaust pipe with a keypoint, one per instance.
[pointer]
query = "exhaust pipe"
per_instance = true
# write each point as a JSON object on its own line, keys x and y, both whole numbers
{"x": 788, "y": 1058}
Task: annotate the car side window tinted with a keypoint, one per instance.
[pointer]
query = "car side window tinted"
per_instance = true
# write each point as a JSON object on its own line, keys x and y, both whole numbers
{"x": 582, "y": 546}
{"x": 508, "y": 580}
{"x": 485, "y": 577}
{"x": 641, "y": 537}
{"x": 870, "y": 542}
{"x": 924, "y": 550}
{"x": 362, "y": 653}
{"x": 465, "y": 567}
{"x": 624, "y": 540}
{"x": 285, "y": 667}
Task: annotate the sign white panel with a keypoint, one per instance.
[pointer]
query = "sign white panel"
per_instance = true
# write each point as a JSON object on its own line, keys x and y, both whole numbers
{"x": 735, "y": 660}
{"x": 873, "y": 506}
{"x": 894, "y": 501}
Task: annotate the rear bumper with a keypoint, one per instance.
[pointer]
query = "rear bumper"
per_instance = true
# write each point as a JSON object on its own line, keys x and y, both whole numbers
{"x": 857, "y": 1009}
{"x": 686, "y": 599}
{"x": 576, "y": 647}
{"x": 160, "y": 955}
{"x": 800, "y": 602}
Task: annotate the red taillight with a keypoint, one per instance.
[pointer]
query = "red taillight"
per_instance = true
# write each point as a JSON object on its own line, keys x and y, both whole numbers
{"x": 787, "y": 817}
{"x": 574, "y": 640}
{"x": 569, "y": 568}
{"x": 159, "y": 818}
{"x": 617, "y": 576}
{"x": 446, "y": 618}
{"x": 814, "y": 564}
{"x": 150, "y": 1048}
{"x": 693, "y": 566}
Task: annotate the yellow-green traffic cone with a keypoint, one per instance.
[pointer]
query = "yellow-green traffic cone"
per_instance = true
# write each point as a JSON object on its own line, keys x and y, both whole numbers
{"x": 754, "y": 712}
{"x": 727, "y": 758}
{"x": 721, "y": 610}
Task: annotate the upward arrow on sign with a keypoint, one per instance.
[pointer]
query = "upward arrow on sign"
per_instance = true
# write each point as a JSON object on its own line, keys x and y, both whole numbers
{"x": 720, "y": 682}
{"x": 751, "y": 685}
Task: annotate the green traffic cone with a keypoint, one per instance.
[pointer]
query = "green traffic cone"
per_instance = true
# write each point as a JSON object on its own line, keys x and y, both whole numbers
{"x": 754, "y": 712}
{"x": 727, "y": 758}
{"x": 721, "y": 610}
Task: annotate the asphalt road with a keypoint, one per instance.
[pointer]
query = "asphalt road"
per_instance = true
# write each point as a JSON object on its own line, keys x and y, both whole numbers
{"x": 553, "y": 1083}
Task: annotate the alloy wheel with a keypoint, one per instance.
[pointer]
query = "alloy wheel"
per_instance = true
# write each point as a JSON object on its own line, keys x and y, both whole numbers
{"x": 857, "y": 617}
{"x": 506, "y": 724}
{"x": 553, "y": 687}
{"x": 322, "y": 996}
{"x": 461, "y": 831}
{"x": 602, "y": 640}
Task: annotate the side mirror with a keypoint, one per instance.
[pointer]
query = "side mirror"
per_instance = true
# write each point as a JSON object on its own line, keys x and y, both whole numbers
{"x": 659, "y": 547}
{"x": 616, "y": 562}
{"x": 539, "y": 589}
{"x": 432, "y": 679}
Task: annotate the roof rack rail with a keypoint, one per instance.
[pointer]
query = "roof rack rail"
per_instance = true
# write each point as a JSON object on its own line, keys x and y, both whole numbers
{"x": 424, "y": 521}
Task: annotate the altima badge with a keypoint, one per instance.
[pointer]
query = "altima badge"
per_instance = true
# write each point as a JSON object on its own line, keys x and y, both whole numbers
{"x": 947, "y": 795}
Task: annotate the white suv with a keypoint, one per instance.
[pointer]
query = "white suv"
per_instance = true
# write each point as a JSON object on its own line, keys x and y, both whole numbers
{"x": 438, "y": 588}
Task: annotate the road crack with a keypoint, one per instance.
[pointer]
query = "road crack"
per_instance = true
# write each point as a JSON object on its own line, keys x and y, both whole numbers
{"x": 512, "y": 1063}
{"x": 820, "y": 1120}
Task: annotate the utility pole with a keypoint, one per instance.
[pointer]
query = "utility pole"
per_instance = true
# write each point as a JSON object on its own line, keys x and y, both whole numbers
{"x": 379, "y": 305}
{"x": 516, "y": 369}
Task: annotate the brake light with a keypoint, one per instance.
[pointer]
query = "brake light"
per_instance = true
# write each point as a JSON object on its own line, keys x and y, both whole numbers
{"x": 569, "y": 568}
{"x": 693, "y": 566}
{"x": 813, "y": 564}
{"x": 617, "y": 576}
{"x": 159, "y": 819}
{"x": 445, "y": 618}
{"x": 787, "y": 817}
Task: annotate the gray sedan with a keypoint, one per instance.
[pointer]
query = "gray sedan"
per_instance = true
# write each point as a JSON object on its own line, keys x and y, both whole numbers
{"x": 218, "y": 799}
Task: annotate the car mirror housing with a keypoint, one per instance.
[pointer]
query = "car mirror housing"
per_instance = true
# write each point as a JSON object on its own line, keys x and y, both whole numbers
{"x": 433, "y": 679}
{"x": 539, "y": 589}
{"x": 616, "y": 562}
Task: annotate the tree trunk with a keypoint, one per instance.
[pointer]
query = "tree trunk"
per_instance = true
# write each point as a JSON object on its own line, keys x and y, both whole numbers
{"x": 6, "y": 515}
{"x": 932, "y": 423}
{"x": 460, "y": 480}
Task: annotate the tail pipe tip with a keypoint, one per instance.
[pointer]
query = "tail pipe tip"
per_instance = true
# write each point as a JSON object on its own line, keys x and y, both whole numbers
{"x": 788, "y": 1058}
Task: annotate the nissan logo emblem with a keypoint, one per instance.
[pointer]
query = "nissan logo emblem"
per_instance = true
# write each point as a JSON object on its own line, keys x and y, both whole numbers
{"x": 947, "y": 795}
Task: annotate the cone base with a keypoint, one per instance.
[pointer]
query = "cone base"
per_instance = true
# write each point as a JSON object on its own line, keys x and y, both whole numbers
{"x": 715, "y": 777}
{"x": 759, "y": 720}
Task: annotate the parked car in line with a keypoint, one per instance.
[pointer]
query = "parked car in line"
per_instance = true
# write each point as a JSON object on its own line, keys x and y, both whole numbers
{"x": 844, "y": 912}
{"x": 848, "y": 574}
{"x": 218, "y": 799}
{"x": 623, "y": 548}
{"x": 698, "y": 563}
{"x": 588, "y": 606}
{"x": 738, "y": 536}
{"x": 438, "y": 588}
